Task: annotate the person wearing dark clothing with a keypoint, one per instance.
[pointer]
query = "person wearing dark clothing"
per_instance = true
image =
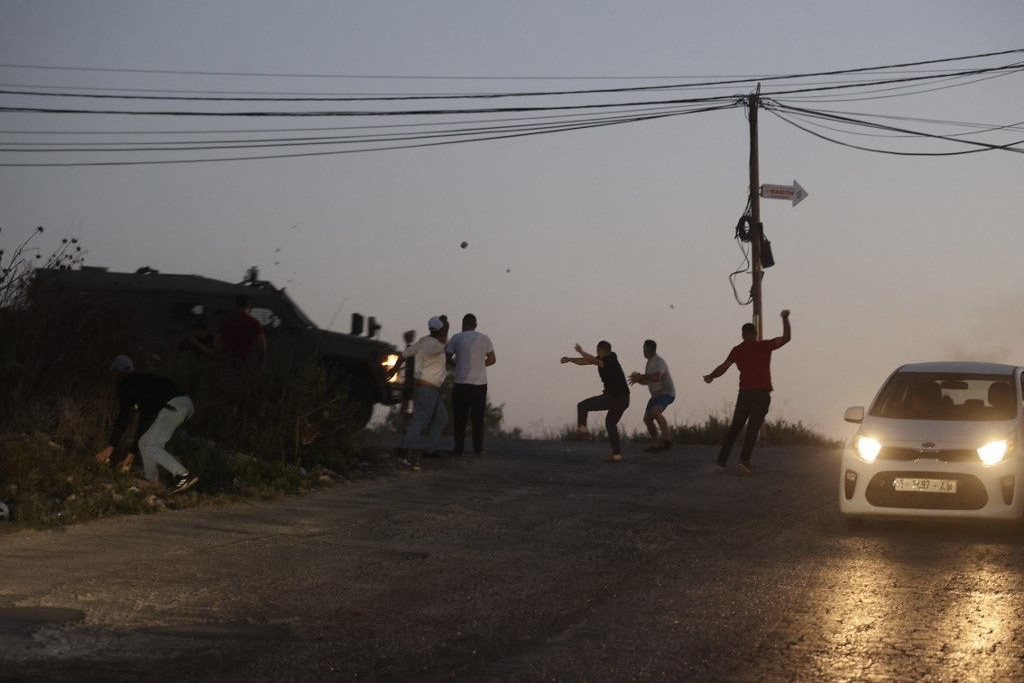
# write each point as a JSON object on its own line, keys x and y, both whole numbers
{"x": 200, "y": 340}
{"x": 161, "y": 407}
{"x": 240, "y": 333}
{"x": 753, "y": 358}
{"x": 614, "y": 399}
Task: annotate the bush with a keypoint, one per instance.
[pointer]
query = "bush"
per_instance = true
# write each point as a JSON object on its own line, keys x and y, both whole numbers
{"x": 396, "y": 422}
{"x": 293, "y": 410}
{"x": 51, "y": 484}
{"x": 19, "y": 262}
{"x": 253, "y": 432}
{"x": 773, "y": 433}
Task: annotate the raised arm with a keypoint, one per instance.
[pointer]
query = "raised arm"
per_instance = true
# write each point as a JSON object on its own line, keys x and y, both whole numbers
{"x": 786, "y": 331}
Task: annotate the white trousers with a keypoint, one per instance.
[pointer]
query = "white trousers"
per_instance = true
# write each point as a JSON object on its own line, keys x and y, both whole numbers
{"x": 151, "y": 444}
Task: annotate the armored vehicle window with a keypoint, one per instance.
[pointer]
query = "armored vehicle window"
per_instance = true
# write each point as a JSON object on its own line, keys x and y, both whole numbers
{"x": 186, "y": 310}
{"x": 266, "y": 316}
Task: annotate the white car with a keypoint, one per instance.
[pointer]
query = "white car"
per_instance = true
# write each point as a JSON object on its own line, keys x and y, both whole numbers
{"x": 939, "y": 440}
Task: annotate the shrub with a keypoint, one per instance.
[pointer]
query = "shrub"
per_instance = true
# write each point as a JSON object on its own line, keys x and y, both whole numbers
{"x": 19, "y": 262}
{"x": 773, "y": 433}
{"x": 253, "y": 432}
{"x": 397, "y": 422}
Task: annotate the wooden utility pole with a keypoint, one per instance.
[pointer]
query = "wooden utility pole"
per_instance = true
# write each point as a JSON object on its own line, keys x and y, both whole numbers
{"x": 754, "y": 102}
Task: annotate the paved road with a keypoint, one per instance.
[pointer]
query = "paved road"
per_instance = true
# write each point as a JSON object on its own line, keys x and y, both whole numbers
{"x": 537, "y": 562}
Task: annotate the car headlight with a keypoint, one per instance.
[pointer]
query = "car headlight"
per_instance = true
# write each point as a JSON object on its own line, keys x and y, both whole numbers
{"x": 867, "y": 448}
{"x": 993, "y": 452}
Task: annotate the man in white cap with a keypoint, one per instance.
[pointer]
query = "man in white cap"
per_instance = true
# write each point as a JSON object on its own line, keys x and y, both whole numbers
{"x": 430, "y": 372}
{"x": 162, "y": 406}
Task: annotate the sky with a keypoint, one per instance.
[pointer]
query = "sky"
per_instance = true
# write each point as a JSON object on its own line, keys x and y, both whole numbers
{"x": 621, "y": 233}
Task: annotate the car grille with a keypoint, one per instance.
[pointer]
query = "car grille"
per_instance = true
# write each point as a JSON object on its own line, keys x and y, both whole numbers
{"x": 910, "y": 454}
{"x": 970, "y": 492}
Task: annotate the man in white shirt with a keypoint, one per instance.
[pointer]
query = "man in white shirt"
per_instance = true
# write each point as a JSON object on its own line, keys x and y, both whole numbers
{"x": 658, "y": 379}
{"x": 431, "y": 370}
{"x": 471, "y": 353}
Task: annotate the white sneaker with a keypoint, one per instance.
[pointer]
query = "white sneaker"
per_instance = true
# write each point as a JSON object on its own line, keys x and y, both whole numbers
{"x": 185, "y": 482}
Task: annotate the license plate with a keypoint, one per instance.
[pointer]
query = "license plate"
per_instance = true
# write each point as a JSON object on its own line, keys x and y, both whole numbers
{"x": 925, "y": 485}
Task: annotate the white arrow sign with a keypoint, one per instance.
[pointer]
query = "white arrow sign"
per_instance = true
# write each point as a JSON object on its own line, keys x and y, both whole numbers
{"x": 794, "y": 192}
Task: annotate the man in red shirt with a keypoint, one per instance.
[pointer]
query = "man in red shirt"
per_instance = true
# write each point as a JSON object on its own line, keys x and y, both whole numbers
{"x": 240, "y": 332}
{"x": 753, "y": 358}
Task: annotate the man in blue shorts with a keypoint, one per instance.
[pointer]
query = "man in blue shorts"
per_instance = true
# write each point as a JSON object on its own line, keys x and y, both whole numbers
{"x": 658, "y": 379}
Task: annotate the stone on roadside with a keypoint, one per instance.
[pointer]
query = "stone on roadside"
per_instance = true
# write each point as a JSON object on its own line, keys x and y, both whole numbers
{"x": 154, "y": 502}
{"x": 242, "y": 458}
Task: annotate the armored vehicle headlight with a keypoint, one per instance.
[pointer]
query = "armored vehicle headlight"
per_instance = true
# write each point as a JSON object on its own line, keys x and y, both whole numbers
{"x": 389, "y": 362}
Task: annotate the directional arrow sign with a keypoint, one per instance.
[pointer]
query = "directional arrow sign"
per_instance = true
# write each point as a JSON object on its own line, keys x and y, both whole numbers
{"x": 793, "y": 192}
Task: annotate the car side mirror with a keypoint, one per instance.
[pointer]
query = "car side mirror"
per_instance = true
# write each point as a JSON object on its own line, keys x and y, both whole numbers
{"x": 854, "y": 414}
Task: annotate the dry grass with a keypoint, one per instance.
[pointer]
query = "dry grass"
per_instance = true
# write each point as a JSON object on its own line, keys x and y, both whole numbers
{"x": 253, "y": 433}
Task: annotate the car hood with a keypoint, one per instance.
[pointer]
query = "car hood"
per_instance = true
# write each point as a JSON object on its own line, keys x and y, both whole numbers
{"x": 939, "y": 432}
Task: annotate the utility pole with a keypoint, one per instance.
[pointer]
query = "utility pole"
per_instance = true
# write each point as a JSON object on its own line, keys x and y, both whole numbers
{"x": 753, "y": 103}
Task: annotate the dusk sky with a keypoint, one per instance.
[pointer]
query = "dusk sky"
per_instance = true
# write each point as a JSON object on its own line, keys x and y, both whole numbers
{"x": 620, "y": 232}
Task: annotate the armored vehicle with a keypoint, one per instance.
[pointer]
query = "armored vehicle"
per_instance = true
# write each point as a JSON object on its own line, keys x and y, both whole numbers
{"x": 170, "y": 307}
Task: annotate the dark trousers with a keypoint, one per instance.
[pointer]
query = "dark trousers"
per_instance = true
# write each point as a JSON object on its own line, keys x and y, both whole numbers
{"x": 615, "y": 405}
{"x": 469, "y": 402}
{"x": 751, "y": 407}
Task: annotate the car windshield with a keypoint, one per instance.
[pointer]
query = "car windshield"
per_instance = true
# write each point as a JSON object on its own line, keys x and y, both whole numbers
{"x": 947, "y": 396}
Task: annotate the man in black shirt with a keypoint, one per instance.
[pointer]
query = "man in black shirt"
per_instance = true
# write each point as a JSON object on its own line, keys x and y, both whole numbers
{"x": 615, "y": 398}
{"x": 162, "y": 406}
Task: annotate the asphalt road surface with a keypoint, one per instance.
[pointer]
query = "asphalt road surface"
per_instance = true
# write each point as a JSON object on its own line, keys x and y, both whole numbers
{"x": 536, "y": 562}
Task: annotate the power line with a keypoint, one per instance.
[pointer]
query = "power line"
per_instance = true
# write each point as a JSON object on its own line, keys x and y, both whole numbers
{"x": 979, "y": 129}
{"x": 1006, "y": 69}
{"x": 245, "y": 143}
{"x": 374, "y": 113}
{"x": 74, "y": 90}
{"x": 1000, "y": 70}
{"x": 215, "y": 96}
{"x": 393, "y": 76}
{"x": 347, "y": 151}
{"x": 220, "y": 131}
{"x": 906, "y": 90}
{"x": 982, "y": 127}
{"x": 979, "y": 146}
{"x": 730, "y": 81}
{"x": 495, "y": 123}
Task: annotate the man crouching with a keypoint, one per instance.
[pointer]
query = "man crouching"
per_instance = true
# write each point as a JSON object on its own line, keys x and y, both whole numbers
{"x": 162, "y": 407}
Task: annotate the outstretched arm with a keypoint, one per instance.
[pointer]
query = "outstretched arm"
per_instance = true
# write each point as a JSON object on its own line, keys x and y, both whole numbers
{"x": 590, "y": 360}
{"x": 718, "y": 372}
{"x": 584, "y": 354}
